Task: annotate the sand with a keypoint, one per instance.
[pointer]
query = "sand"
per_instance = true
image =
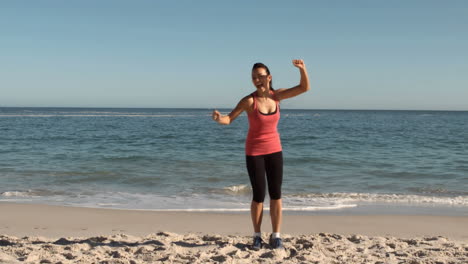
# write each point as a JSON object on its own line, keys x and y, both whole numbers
{"x": 55, "y": 234}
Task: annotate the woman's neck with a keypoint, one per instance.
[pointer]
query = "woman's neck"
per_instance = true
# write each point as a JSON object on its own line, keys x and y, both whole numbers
{"x": 262, "y": 92}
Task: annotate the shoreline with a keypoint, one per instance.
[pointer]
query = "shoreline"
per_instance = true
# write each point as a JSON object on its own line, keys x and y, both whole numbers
{"x": 62, "y": 221}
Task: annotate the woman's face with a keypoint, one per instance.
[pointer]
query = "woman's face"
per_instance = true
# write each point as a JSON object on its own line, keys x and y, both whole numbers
{"x": 260, "y": 78}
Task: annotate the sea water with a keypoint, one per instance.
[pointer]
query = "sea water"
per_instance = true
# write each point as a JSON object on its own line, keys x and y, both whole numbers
{"x": 179, "y": 159}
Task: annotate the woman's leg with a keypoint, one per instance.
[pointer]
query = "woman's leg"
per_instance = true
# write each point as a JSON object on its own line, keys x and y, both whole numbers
{"x": 256, "y": 211}
{"x": 276, "y": 215}
{"x": 274, "y": 172}
{"x": 256, "y": 169}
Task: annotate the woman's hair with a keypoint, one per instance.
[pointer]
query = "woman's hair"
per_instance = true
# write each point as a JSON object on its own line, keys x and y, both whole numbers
{"x": 261, "y": 65}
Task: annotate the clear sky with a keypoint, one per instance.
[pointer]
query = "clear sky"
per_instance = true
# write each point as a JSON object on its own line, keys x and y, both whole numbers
{"x": 109, "y": 53}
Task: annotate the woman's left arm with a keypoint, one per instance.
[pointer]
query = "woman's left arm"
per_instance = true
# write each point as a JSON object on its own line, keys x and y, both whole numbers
{"x": 303, "y": 86}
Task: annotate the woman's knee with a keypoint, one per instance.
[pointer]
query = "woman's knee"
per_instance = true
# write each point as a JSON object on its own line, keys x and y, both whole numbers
{"x": 258, "y": 197}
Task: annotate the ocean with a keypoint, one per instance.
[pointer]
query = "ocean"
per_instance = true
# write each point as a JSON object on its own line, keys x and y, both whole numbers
{"x": 335, "y": 161}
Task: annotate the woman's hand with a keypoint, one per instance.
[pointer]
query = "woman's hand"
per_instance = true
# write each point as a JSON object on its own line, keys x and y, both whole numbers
{"x": 216, "y": 115}
{"x": 299, "y": 64}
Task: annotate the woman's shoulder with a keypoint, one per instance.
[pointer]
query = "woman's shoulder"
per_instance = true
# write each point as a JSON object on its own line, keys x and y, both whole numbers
{"x": 275, "y": 94}
{"x": 247, "y": 102}
{"x": 248, "y": 98}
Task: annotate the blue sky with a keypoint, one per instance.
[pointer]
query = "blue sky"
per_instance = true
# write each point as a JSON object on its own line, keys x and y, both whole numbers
{"x": 359, "y": 54}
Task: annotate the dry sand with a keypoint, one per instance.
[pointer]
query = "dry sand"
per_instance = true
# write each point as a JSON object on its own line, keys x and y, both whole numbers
{"x": 55, "y": 234}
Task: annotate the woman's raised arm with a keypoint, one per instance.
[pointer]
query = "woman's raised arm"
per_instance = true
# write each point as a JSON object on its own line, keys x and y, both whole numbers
{"x": 303, "y": 86}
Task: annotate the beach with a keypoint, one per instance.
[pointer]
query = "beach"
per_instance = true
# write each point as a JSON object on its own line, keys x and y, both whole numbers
{"x": 158, "y": 186}
{"x": 32, "y": 233}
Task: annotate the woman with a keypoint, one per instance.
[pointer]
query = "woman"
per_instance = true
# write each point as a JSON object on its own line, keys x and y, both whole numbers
{"x": 263, "y": 146}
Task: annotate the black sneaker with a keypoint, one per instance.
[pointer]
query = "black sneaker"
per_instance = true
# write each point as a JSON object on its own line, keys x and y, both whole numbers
{"x": 276, "y": 243}
{"x": 257, "y": 243}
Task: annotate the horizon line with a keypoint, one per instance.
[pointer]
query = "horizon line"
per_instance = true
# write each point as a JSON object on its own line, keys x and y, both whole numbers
{"x": 308, "y": 109}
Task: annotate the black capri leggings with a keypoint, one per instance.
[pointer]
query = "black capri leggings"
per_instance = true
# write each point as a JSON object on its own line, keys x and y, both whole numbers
{"x": 272, "y": 166}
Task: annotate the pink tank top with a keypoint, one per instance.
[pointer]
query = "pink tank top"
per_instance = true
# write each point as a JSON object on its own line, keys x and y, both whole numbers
{"x": 263, "y": 137}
